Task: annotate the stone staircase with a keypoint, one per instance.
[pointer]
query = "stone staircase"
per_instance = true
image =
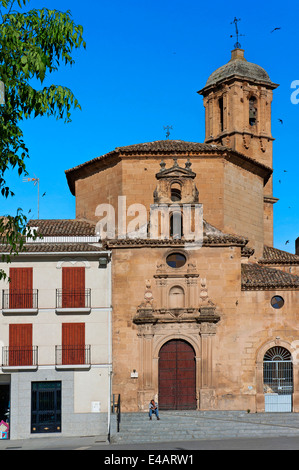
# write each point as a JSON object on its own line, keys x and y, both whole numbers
{"x": 192, "y": 425}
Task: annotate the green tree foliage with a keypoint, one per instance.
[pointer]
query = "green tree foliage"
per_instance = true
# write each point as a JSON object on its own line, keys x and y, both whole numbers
{"x": 33, "y": 44}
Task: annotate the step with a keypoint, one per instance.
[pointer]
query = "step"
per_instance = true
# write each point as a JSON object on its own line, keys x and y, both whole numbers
{"x": 188, "y": 425}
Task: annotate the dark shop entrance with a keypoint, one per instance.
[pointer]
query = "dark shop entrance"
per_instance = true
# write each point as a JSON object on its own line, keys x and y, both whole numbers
{"x": 4, "y": 410}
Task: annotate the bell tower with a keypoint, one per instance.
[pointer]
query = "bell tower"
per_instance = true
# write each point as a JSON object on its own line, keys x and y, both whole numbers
{"x": 237, "y": 99}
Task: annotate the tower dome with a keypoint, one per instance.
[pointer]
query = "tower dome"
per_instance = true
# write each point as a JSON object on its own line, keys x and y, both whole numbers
{"x": 239, "y": 66}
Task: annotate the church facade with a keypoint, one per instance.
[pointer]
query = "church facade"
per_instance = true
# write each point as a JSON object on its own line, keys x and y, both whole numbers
{"x": 213, "y": 325}
{"x": 167, "y": 277}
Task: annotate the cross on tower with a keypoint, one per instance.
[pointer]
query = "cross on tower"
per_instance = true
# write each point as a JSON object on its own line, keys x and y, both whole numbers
{"x": 167, "y": 129}
{"x": 237, "y": 45}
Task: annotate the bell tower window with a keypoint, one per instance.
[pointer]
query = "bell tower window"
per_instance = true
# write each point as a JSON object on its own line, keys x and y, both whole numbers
{"x": 176, "y": 192}
{"x": 176, "y": 225}
{"x": 220, "y": 102}
{"x": 252, "y": 111}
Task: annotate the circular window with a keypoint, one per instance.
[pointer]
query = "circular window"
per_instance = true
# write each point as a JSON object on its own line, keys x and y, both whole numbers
{"x": 176, "y": 260}
{"x": 277, "y": 301}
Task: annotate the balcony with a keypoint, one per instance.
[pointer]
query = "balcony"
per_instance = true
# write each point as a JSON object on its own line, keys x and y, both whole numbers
{"x": 73, "y": 301}
{"x": 20, "y": 301}
{"x": 70, "y": 357}
{"x": 19, "y": 357}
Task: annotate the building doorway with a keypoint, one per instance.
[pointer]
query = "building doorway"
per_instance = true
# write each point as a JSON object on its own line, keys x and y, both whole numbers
{"x": 177, "y": 376}
{"x": 4, "y": 410}
{"x": 46, "y": 407}
{"x": 278, "y": 380}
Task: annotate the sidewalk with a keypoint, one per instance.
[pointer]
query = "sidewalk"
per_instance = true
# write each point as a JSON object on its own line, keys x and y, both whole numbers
{"x": 48, "y": 443}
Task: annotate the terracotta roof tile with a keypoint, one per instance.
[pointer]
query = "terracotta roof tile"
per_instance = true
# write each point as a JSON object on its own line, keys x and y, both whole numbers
{"x": 55, "y": 248}
{"x": 170, "y": 147}
{"x": 274, "y": 256}
{"x": 255, "y": 276}
{"x": 63, "y": 227}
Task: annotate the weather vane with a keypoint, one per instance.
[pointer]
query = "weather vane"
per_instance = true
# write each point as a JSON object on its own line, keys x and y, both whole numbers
{"x": 237, "y": 45}
{"x": 167, "y": 129}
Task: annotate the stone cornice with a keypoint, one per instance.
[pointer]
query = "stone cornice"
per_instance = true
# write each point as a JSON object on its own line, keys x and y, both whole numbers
{"x": 204, "y": 314}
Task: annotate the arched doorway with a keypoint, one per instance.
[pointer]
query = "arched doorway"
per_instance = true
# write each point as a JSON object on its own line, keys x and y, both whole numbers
{"x": 278, "y": 380}
{"x": 177, "y": 376}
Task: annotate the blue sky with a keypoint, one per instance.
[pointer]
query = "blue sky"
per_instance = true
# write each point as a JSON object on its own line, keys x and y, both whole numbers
{"x": 144, "y": 62}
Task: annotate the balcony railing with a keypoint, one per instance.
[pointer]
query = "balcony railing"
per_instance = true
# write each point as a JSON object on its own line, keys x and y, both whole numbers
{"x": 79, "y": 298}
{"x": 73, "y": 355}
{"x": 20, "y": 299}
{"x": 13, "y": 356}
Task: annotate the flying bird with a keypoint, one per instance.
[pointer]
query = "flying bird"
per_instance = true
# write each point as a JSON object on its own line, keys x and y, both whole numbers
{"x": 281, "y": 121}
{"x": 43, "y": 194}
{"x": 275, "y": 29}
{"x": 288, "y": 241}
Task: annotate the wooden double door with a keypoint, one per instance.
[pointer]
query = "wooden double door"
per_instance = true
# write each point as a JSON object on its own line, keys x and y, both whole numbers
{"x": 177, "y": 376}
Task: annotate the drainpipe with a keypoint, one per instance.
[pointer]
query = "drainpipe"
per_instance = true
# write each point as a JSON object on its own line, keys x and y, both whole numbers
{"x": 108, "y": 256}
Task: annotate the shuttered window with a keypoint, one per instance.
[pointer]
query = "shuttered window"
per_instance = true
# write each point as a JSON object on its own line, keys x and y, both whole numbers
{"x": 20, "y": 344}
{"x": 20, "y": 288}
{"x": 73, "y": 343}
{"x": 73, "y": 287}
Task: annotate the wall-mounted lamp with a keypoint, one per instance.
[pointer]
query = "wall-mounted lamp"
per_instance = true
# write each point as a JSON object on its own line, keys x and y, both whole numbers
{"x": 103, "y": 261}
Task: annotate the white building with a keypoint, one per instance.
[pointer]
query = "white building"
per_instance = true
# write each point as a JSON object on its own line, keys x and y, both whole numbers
{"x": 55, "y": 334}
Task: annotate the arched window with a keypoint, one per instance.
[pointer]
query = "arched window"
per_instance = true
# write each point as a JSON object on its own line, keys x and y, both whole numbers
{"x": 278, "y": 371}
{"x": 176, "y": 192}
{"x": 176, "y": 297}
{"x": 176, "y": 225}
{"x": 252, "y": 111}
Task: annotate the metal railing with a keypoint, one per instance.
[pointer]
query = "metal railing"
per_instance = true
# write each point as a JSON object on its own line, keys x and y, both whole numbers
{"x": 19, "y": 299}
{"x": 73, "y": 298}
{"x": 13, "y": 356}
{"x": 73, "y": 355}
{"x": 278, "y": 377}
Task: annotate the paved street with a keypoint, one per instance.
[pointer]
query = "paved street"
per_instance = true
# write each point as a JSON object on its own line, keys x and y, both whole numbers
{"x": 216, "y": 431}
{"x": 93, "y": 443}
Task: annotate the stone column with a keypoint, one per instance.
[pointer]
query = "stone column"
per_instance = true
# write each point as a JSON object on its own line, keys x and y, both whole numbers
{"x": 145, "y": 389}
{"x": 260, "y": 397}
{"x": 207, "y": 390}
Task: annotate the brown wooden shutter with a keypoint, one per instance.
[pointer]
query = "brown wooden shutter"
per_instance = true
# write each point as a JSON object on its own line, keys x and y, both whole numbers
{"x": 21, "y": 288}
{"x": 73, "y": 343}
{"x": 20, "y": 344}
{"x": 73, "y": 287}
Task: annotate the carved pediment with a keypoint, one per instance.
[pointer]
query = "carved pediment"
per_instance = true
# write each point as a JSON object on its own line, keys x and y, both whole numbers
{"x": 176, "y": 171}
{"x": 177, "y": 298}
{"x": 176, "y": 184}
